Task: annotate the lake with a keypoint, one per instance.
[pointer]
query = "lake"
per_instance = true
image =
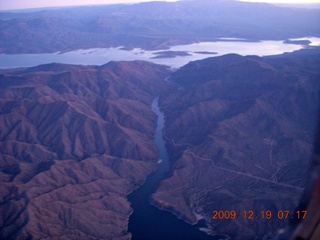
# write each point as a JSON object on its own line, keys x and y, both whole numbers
{"x": 148, "y": 222}
{"x": 179, "y": 56}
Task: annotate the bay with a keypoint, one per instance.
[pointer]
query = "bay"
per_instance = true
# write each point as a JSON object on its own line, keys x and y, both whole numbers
{"x": 195, "y": 51}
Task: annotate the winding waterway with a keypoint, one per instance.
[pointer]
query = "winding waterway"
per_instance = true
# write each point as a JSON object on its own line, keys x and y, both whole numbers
{"x": 148, "y": 222}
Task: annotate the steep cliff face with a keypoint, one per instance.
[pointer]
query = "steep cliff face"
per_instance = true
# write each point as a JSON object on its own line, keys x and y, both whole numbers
{"x": 240, "y": 133}
{"x": 75, "y": 141}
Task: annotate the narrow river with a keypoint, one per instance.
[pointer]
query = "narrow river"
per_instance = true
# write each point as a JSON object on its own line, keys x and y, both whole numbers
{"x": 148, "y": 222}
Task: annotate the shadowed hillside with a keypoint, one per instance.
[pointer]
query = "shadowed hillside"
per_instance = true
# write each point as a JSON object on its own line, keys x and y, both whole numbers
{"x": 240, "y": 133}
{"x": 74, "y": 141}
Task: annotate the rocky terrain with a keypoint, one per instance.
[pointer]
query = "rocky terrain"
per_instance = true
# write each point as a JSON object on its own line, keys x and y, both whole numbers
{"x": 151, "y": 25}
{"x": 74, "y": 142}
{"x": 240, "y": 132}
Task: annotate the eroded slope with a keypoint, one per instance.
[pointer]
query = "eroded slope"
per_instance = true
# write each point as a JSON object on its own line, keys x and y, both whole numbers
{"x": 240, "y": 133}
{"x": 74, "y": 141}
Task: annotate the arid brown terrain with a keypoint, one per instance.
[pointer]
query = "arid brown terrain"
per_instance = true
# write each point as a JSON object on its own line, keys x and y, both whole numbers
{"x": 240, "y": 132}
{"x": 74, "y": 142}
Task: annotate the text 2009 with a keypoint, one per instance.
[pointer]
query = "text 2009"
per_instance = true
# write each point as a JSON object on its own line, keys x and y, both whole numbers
{"x": 264, "y": 214}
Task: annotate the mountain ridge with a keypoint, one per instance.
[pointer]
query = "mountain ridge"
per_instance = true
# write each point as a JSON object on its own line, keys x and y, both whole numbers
{"x": 151, "y": 26}
{"x": 75, "y": 141}
{"x": 78, "y": 139}
{"x": 240, "y": 133}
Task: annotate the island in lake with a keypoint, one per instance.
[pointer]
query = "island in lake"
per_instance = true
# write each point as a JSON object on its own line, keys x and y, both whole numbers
{"x": 170, "y": 54}
{"x": 78, "y": 141}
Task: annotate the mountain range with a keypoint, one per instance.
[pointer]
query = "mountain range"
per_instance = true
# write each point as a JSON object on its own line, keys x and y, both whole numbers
{"x": 240, "y": 133}
{"x": 151, "y": 25}
{"x": 75, "y": 141}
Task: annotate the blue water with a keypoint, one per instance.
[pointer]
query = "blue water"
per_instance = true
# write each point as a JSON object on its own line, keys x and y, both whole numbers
{"x": 148, "y": 222}
{"x": 99, "y": 56}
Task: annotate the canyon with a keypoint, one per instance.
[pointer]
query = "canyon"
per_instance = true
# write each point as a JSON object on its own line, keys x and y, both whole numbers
{"x": 240, "y": 134}
{"x": 76, "y": 140}
{"x": 79, "y": 141}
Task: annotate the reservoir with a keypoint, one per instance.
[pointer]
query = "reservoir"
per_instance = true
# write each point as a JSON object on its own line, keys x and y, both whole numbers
{"x": 148, "y": 222}
{"x": 178, "y": 55}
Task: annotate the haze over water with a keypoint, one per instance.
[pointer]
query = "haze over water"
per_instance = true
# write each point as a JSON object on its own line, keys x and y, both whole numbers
{"x": 196, "y": 51}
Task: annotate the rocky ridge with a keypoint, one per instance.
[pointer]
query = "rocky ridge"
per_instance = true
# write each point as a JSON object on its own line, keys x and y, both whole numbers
{"x": 240, "y": 135}
{"x": 74, "y": 142}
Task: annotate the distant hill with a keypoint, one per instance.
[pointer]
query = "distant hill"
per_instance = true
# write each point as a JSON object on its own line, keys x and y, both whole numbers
{"x": 301, "y": 5}
{"x": 151, "y": 25}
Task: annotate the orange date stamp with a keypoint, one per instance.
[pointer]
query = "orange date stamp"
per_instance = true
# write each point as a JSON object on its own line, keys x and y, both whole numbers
{"x": 263, "y": 214}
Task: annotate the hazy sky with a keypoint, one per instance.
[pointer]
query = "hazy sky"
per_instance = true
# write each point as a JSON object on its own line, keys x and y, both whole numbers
{"x": 19, "y": 4}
